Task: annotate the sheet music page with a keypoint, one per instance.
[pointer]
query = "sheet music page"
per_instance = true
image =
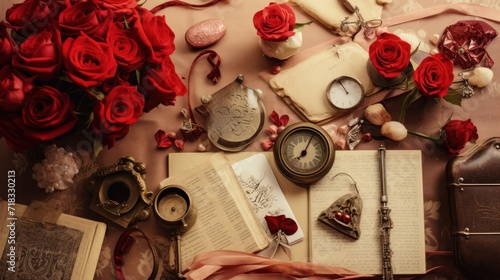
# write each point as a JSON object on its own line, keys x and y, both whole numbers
{"x": 405, "y": 193}
{"x": 225, "y": 218}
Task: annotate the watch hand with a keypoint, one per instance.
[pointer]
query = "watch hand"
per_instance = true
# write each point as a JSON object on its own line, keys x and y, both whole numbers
{"x": 304, "y": 151}
{"x": 346, "y": 91}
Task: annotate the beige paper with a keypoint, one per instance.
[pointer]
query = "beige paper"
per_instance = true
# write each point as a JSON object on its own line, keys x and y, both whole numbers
{"x": 304, "y": 86}
{"x": 331, "y": 13}
{"x": 405, "y": 199}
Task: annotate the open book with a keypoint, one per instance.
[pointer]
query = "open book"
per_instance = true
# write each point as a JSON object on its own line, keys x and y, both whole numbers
{"x": 225, "y": 219}
{"x": 405, "y": 193}
{"x": 68, "y": 249}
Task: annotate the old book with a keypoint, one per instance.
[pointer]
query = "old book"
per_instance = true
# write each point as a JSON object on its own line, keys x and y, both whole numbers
{"x": 405, "y": 193}
{"x": 37, "y": 249}
{"x": 225, "y": 219}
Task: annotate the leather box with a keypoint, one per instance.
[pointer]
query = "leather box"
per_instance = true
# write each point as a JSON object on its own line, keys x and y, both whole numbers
{"x": 473, "y": 180}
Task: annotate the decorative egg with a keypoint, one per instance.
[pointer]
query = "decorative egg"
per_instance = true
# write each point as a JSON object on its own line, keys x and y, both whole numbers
{"x": 205, "y": 33}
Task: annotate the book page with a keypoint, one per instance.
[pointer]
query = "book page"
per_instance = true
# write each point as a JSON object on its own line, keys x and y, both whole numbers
{"x": 405, "y": 199}
{"x": 225, "y": 218}
{"x": 264, "y": 193}
{"x": 90, "y": 245}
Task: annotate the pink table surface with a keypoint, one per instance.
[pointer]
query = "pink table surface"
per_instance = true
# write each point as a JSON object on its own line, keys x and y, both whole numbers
{"x": 240, "y": 54}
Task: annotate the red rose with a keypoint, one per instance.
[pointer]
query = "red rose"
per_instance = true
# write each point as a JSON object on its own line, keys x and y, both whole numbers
{"x": 113, "y": 115}
{"x": 158, "y": 33}
{"x": 88, "y": 63}
{"x": 434, "y": 75}
{"x": 12, "y": 128}
{"x": 47, "y": 113}
{"x": 160, "y": 84}
{"x": 116, "y": 5}
{"x": 32, "y": 16}
{"x": 85, "y": 17}
{"x": 275, "y": 22}
{"x": 40, "y": 55}
{"x": 389, "y": 55}
{"x": 457, "y": 133}
{"x": 13, "y": 87}
{"x": 7, "y": 47}
{"x": 128, "y": 48}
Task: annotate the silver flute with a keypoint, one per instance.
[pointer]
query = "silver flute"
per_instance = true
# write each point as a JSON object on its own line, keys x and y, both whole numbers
{"x": 385, "y": 220}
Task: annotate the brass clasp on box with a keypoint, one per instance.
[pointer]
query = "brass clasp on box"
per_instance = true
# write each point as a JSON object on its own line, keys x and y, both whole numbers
{"x": 119, "y": 192}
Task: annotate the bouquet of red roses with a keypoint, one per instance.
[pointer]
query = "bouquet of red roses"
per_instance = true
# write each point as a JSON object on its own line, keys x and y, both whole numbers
{"x": 69, "y": 64}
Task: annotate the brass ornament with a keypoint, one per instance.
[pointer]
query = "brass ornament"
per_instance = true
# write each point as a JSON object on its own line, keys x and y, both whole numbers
{"x": 119, "y": 192}
{"x": 344, "y": 214}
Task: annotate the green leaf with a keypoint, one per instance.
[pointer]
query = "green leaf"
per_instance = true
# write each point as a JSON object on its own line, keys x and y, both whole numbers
{"x": 300, "y": 25}
{"x": 97, "y": 93}
{"x": 454, "y": 97}
{"x": 97, "y": 148}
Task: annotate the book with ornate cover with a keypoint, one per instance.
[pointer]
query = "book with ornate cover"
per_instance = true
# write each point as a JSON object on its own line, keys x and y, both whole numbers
{"x": 35, "y": 249}
{"x": 225, "y": 219}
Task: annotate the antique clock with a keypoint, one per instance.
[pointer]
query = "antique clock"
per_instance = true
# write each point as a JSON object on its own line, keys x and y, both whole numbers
{"x": 304, "y": 152}
{"x": 345, "y": 93}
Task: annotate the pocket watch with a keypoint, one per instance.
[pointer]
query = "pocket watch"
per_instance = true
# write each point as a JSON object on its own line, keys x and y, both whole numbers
{"x": 304, "y": 152}
{"x": 345, "y": 92}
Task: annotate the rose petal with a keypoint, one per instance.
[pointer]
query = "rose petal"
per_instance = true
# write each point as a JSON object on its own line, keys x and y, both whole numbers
{"x": 162, "y": 139}
{"x": 179, "y": 143}
{"x": 289, "y": 226}
{"x": 284, "y": 120}
{"x": 267, "y": 144}
{"x": 275, "y": 118}
{"x": 273, "y": 223}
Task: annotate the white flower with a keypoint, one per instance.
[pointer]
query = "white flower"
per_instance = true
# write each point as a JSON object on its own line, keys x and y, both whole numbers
{"x": 481, "y": 77}
{"x": 57, "y": 170}
{"x": 394, "y": 130}
{"x": 377, "y": 114}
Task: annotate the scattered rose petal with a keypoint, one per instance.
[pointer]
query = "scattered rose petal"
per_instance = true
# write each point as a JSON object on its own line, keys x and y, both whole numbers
{"x": 273, "y": 137}
{"x": 279, "y": 121}
{"x": 276, "y": 69}
{"x": 201, "y": 148}
{"x": 273, "y": 129}
{"x": 267, "y": 144}
{"x": 172, "y": 135}
{"x": 184, "y": 112}
{"x": 162, "y": 140}
{"x": 179, "y": 143}
{"x": 435, "y": 39}
{"x": 280, "y": 129}
{"x": 367, "y": 136}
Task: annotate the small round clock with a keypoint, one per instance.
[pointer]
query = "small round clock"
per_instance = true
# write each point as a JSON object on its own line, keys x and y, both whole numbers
{"x": 304, "y": 152}
{"x": 345, "y": 93}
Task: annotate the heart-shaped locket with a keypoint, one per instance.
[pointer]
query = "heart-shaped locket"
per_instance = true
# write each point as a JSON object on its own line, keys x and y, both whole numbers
{"x": 344, "y": 214}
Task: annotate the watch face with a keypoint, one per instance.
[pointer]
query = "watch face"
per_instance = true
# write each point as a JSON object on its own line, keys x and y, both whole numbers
{"x": 304, "y": 152}
{"x": 345, "y": 92}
